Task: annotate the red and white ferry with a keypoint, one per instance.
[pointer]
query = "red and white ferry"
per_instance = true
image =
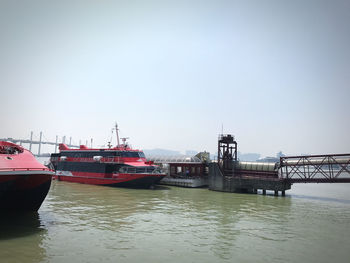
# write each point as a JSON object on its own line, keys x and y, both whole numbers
{"x": 24, "y": 182}
{"x": 120, "y": 166}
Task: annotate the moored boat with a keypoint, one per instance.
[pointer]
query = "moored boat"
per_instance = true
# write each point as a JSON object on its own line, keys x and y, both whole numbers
{"x": 119, "y": 166}
{"x": 24, "y": 182}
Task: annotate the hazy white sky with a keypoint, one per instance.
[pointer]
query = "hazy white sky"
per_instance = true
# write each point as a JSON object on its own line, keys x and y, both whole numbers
{"x": 276, "y": 74}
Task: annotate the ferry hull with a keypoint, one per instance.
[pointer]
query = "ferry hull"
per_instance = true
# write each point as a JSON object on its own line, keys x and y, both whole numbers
{"x": 24, "y": 192}
{"x": 144, "y": 182}
{"x": 122, "y": 180}
{"x": 119, "y": 166}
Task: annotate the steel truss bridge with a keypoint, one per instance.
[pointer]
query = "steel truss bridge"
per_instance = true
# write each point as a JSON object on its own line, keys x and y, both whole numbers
{"x": 331, "y": 168}
{"x": 40, "y": 142}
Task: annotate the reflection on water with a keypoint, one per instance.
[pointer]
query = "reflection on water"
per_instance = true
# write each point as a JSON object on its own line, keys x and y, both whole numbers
{"x": 85, "y": 223}
{"x": 21, "y": 237}
{"x": 14, "y": 225}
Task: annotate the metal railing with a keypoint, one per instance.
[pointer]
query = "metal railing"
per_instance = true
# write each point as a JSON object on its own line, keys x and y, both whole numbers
{"x": 316, "y": 168}
{"x": 141, "y": 170}
{"x": 25, "y": 169}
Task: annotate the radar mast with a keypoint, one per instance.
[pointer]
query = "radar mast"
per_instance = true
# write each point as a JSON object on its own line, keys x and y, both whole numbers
{"x": 116, "y": 131}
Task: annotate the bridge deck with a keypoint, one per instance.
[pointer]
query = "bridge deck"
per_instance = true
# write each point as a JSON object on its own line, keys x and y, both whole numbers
{"x": 330, "y": 168}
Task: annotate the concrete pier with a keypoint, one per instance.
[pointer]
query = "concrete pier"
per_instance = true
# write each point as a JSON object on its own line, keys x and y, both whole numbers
{"x": 220, "y": 182}
{"x": 189, "y": 182}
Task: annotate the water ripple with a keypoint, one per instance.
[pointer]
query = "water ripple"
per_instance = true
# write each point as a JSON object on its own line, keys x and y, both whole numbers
{"x": 84, "y": 223}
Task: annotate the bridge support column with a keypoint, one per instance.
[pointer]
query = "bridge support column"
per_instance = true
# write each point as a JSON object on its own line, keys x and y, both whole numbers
{"x": 283, "y": 193}
{"x": 41, "y": 134}
{"x": 31, "y": 139}
{"x": 276, "y": 193}
{"x": 56, "y": 144}
{"x": 255, "y": 191}
{"x": 264, "y": 192}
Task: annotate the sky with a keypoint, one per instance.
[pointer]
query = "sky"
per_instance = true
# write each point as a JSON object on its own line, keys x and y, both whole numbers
{"x": 174, "y": 74}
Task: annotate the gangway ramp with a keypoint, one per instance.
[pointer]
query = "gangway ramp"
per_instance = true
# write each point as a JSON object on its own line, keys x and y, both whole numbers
{"x": 328, "y": 168}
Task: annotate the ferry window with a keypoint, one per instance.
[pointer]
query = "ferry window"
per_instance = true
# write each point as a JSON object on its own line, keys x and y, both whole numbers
{"x": 172, "y": 170}
{"x": 179, "y": 169}
{"x": 131, "y": 154}
{"x": 193, "y": 170}
{"x": 141, "y": 155}
{"x": 107, "y": 154}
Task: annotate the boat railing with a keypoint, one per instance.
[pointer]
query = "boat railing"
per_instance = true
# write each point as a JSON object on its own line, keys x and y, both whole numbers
{"x": 140, "y": 170}
{"x": 24, "y": 169}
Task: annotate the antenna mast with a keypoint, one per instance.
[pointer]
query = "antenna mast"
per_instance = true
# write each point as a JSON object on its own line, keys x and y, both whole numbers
{"x": 116, "y": 131}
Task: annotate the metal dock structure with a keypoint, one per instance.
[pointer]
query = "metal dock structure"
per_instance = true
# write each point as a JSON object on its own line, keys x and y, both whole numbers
{"x": 230, "y": 175}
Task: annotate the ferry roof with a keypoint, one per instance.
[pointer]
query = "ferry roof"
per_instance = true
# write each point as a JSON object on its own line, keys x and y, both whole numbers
{"x": 83, "y": 148}
{"x": 174, "y": 159}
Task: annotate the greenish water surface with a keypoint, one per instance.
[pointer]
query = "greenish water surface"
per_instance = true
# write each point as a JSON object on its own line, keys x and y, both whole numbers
{"x": 86, "y": 223}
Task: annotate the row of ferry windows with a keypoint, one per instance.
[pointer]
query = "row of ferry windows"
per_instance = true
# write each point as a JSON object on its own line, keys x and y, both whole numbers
{"x": 104, "y": 154}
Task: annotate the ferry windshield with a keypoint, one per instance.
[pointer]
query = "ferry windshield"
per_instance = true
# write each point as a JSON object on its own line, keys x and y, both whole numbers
{"x": 133, "y": 154}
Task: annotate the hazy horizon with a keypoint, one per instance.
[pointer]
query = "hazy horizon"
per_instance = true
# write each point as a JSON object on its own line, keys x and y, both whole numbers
{"x": 174, "y": 74}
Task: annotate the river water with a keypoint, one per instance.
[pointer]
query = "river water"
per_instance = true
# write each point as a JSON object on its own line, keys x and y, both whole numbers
{"x": 86, "y": 223}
